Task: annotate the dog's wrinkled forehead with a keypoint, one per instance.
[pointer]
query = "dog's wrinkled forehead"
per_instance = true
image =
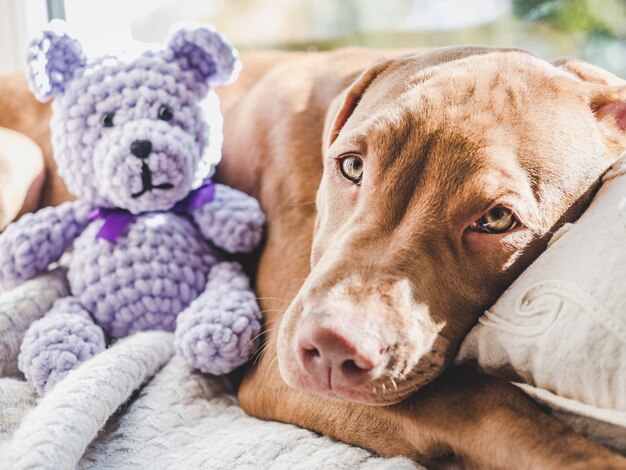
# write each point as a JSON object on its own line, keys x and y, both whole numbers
{"x": 443, "y": 84}
{"x": 502, "y": 101}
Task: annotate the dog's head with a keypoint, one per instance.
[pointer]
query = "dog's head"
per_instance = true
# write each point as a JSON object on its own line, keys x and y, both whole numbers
{"x": 444, "y": 175}
{"x": 128, "y": 130}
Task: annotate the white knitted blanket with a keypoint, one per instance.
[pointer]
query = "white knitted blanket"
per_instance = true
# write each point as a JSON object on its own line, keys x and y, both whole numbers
{"x": 138, "y": 406}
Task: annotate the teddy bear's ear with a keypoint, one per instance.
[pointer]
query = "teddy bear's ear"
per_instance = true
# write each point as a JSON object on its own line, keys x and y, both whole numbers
{"x": 206, "y": 52}
{"x": 53, "y": 57}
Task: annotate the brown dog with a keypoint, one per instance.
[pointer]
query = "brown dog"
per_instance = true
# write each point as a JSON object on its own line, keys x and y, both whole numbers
{"x": 436, "y": 179}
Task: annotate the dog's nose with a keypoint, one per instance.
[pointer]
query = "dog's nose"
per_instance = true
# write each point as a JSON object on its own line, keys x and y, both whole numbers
{"x": 141, "y": 148}
{"x": 339, "y": 358}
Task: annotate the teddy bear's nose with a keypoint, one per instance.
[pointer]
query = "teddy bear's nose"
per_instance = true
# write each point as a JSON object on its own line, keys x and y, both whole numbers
{"x": 141, "y": 148}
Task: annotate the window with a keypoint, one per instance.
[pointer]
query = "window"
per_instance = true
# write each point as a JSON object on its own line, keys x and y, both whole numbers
{"x": 593, "y": 30}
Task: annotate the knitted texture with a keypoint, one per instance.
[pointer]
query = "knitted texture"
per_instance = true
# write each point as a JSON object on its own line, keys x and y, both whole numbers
{"x": 21, "y": 307}
{"x": 142, "y": 280}
{"x": 29, "y": 245}
{"x": 109, "y": 105}
{"x": 54, "y": 58}
{"x": 17, "y": 397}
{"x": 185, "y": 420}
{"x": 55, "y": 344}
{"x": 130, "y": 141}
{"x": 116, "y": 104}
{"x": 206, "y": 53}
{"x": 232, "y": 222}
{"x": 219, "y": 329}
{"x": 57, "y": 432}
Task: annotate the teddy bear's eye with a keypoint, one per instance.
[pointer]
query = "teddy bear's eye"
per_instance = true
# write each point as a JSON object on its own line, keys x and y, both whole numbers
{"x": 165, "y": 113}
{"x": 107, "y": 119}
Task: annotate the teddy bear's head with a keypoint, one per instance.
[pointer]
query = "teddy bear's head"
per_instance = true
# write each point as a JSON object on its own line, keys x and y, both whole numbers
{"x": 129, "y": 131}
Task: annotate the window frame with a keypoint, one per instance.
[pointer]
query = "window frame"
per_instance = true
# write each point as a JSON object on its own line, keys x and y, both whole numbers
{"x": 19, "y": 21}
{"x": 13, "y": 34}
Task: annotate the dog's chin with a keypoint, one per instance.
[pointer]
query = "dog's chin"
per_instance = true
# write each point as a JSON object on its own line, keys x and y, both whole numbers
{"x": 357, "y": 395}
{"x": 377, "y": 393}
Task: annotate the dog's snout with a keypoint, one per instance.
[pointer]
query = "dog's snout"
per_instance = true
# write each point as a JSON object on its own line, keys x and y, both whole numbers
{"x": 141, "y": 148}
{"x": 339, "y": 358}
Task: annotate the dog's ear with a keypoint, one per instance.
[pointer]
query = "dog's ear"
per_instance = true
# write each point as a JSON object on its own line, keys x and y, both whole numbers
{"x": 346, "y": 103}
{"x": 606, "y": 94}
{"x": 207, "y": 53}
{"x": 53, "y": 58}
{"x": 588, "y": 72}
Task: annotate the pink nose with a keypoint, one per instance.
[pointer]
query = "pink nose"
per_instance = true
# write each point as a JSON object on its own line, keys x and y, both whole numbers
{"x": 339, "y": 358}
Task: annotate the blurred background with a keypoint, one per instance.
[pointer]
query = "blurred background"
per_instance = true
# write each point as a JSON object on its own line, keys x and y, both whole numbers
{"x": 594, "y": 30}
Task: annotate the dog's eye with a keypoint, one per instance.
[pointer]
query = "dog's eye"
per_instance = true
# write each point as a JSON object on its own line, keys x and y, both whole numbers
{"x": 351, "y": 167}
{"x": 107, "y": 119}
{"x": 498, "y": 219}
{"x": 165, "y": 113}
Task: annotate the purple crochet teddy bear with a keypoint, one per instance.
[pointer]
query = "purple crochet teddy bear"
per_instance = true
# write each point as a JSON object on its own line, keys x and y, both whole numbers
{"x": 129, "y": 139}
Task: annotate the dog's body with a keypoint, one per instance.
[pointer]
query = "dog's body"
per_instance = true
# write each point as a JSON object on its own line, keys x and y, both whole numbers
{"x": 274, "y": 146}
{"x": 435, "y": 126}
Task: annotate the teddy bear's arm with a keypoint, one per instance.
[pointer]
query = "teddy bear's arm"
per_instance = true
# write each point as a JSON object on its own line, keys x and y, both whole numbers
{"x": 233, "y": 221}
{"x": 29, "y": 245}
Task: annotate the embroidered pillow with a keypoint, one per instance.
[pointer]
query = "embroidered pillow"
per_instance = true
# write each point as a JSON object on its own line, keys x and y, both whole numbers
{"x": 561, "y": 326}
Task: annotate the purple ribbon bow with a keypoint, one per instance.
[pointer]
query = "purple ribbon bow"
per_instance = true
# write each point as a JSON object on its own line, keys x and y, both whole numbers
{"x": 116, "y": 220}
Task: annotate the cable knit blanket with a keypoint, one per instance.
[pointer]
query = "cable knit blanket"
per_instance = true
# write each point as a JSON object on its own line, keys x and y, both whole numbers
{"x": 137, "y": 405}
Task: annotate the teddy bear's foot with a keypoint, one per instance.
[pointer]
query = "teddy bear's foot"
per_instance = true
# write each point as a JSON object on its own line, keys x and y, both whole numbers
{"x": 57, "y": 343}
{"x": 220, "y": 329}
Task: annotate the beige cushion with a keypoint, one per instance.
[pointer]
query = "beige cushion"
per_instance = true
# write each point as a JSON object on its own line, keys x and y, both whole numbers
{"x": 21, "y": 175}
{"x": 561, "y": 326}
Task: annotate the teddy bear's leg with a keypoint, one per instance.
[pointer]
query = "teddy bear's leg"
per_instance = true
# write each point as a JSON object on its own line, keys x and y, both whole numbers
{"x": 220, "y": 329}
{"x": 63, "y": 339}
